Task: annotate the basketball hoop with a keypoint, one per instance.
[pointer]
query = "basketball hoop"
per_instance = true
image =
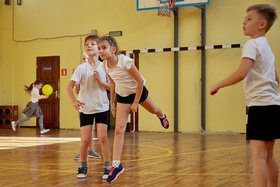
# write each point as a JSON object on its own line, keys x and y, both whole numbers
{"x": 166, "y": 7}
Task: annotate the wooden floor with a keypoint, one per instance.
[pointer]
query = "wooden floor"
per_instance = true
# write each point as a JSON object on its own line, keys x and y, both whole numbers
{"x": 150, "y": 159}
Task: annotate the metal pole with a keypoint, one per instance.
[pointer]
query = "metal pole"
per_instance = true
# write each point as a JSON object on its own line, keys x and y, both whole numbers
{"x": 203, "y": 66}
{"x": 176, "y": 64}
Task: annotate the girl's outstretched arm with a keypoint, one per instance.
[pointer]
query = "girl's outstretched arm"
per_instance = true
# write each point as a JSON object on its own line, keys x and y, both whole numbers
{"x": 235, "y": 77}
{"x": 137, "y": 76}
{"x": 34, "y": 94}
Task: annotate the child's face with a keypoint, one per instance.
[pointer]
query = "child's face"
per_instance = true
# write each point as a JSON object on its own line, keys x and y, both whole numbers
{"x": 39, "y": 86}
{"x": 105, "y": 50}
{"x": 91, "y": 47}
{"x": 253, "y": 24}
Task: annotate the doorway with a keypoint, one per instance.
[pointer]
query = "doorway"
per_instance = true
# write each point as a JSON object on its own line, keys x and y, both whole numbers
{"x": 48, "y": 71}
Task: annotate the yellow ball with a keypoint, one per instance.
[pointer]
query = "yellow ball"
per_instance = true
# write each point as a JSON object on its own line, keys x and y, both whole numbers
{"x": 47, "y": 89}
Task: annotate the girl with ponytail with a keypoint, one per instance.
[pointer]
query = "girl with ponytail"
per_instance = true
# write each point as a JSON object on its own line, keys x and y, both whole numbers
{"x": 32, "y": 108}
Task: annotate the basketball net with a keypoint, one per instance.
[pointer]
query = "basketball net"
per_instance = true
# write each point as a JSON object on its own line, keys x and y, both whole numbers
{"x": 166, "y": 8}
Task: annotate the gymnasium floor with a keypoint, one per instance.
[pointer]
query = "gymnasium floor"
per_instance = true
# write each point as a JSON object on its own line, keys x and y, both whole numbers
{"x": 150, "y": 159}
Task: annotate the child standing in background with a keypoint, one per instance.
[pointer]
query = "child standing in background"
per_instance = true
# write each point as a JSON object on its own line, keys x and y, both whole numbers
{"x": 92, "y": 103}
{"x": 32, "y": 108}
{"x": 261, "y": 83}
{"x": 128, "y": 83}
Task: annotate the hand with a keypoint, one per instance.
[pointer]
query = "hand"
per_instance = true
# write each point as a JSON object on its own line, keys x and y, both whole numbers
{"x": 78, "y": 105}
{"x": 96, "y": 76}
{"x": 214, "y": 89}
{"x": 46, "y": 96}
{"x": 134, "y": 107}
{"x": 113, "y": 110}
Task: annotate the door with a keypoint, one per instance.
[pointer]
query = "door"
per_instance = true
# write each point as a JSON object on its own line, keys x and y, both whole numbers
{"x": 48, "y": 71}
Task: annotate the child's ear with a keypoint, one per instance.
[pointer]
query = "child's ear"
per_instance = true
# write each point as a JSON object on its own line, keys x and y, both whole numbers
{"x": 114, "y": 49}
{"x": 263, "y": 24}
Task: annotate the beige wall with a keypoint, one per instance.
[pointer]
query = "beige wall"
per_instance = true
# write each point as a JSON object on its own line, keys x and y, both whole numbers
{"x": 1, "y": 47}
{"x": 143, "y": 29}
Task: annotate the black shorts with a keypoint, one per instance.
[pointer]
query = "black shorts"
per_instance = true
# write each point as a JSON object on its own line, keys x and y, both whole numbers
{"x": 130, "y": 98}
{"x": 102, "y": 117}
{"x": 263, "y": 123}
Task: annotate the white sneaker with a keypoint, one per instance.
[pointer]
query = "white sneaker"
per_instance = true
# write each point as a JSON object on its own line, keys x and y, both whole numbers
{"x": 44, "y": 131}
{"x": 14, "y": 126}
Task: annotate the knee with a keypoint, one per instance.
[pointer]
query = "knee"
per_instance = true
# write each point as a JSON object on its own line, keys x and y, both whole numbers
{"x": 119, "y": 131}
{"x": 102, "y": 139}
{"x": 260, "y": 156}
{"x": 85, "y": 140}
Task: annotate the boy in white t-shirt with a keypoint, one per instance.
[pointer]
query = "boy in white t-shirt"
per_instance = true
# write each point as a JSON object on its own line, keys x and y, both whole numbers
{"x": 261, "y": 92}
{"x": 92, "y": 103}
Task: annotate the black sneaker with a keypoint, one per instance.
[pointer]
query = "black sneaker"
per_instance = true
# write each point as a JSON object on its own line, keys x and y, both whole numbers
{"x": 82, "y": 173}
{"x": 114, "y": 173}
{"x": 164, "y": 122}
{"x": 106, "y": 173}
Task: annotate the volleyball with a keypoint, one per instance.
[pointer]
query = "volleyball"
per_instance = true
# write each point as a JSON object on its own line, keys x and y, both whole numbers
{"x": 47, "y": 89}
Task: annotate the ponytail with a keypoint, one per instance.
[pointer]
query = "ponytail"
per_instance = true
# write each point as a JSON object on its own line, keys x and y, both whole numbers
{"x": 28, "y": 89}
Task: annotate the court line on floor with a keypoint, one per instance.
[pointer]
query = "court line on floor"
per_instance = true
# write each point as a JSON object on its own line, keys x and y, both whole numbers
{"x": 12, "y": 142}
{"x": 169, "y": 154}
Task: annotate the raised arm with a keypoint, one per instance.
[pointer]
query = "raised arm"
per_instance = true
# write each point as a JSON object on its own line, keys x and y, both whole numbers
{"x": 34, "y": 94}
{"x": 235, "y": 77}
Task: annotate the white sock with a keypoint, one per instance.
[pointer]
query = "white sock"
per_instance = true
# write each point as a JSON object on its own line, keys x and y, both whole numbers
{"x": 162, "y": 116}
{"x": 116, "y": 163}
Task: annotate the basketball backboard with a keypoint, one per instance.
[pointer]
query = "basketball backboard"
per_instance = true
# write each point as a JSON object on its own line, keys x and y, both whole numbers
{"x": 156, "y": 4}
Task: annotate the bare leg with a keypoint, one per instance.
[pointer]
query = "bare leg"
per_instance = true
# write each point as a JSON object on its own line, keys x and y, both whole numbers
{"x": 151, "y": 107}
{"x": 90, "y": 145}
{"x": 86, "y": 138}
{"x": 259, "y": 155}
{"x": 121, "y": 120}
{"x": 104, "y": 141}
{"x": 272, "y": 167}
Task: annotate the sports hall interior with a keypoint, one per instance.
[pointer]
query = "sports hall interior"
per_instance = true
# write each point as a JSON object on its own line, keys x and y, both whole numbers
{"x": 206, "y": 146}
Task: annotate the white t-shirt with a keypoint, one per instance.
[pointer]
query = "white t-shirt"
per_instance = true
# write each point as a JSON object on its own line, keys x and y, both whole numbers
{"x": 125, "y": 84}
{"x": 94, "y": 96}
{"x": 260, "y": 86}
{"x": 35, "y": 94}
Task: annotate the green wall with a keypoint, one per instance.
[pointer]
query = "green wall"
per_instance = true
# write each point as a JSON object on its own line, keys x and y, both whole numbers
{"x": 62, "y": 25}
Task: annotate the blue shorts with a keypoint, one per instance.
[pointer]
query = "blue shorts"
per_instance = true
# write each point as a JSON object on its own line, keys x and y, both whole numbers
{"x": 102, "y": 117}
{"x": 130, "y": 98}
{"x": 263, "y": 123}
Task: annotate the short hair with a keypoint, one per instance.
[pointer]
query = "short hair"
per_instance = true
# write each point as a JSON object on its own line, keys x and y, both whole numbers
{"x": 267, "y": 12}
{"x": 91, "y": 37}
{"x": 112, "y": 42}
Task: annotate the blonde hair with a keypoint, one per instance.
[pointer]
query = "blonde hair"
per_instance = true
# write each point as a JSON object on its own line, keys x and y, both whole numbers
{"x": 91, "y": 37}
{"x": 267, "y": 12}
